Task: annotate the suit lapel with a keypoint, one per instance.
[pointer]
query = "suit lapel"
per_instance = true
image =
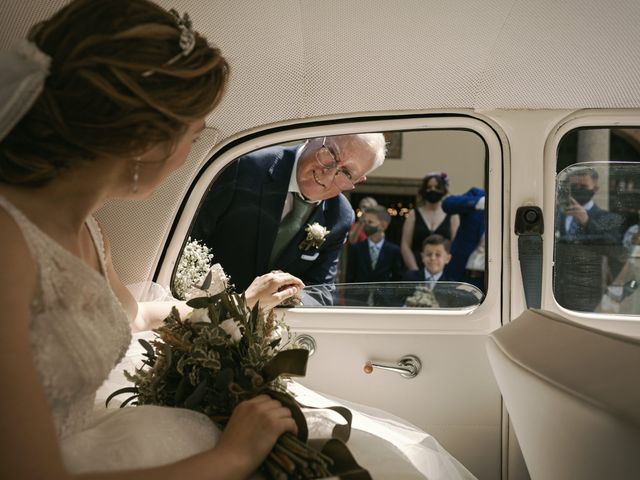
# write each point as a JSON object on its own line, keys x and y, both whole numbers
{"x": 272, "y": 198}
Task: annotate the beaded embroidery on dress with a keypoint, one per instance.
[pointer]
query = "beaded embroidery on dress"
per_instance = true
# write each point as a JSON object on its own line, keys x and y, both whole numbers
{"x": 78, "y": 328}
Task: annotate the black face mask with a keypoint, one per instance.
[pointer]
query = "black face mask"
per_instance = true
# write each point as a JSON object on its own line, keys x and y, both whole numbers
{"x": 370, "y": 230}
{"x": 432, "y": 196}
{"x": 581, "y": 194}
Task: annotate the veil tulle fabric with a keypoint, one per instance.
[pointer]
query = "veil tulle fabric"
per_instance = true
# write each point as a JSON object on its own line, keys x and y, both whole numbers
{"x": 24, "y": 70}
{"x": 150, "y": 292}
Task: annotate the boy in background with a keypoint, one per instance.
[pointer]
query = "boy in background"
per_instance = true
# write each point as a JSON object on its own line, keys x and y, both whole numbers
{"x": 433, "y": 294}
{"x": 375, "y": 259}
{"x": 435, "y": 256}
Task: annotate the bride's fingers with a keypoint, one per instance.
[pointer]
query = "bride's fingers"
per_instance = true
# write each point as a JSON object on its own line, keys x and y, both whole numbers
{"x": 289, "y": 425}
{"x": 273, "y": 409}
{"x": 264, "y": 402}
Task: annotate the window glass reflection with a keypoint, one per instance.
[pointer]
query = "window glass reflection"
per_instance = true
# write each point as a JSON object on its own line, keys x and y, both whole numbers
{"x": 597, "y": 241}
{"x": 417, "y": 217}
{"x": 429, "y": 294}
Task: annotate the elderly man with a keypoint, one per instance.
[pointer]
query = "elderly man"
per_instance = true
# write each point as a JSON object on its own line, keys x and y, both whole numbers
{"x": 281, "y": 208}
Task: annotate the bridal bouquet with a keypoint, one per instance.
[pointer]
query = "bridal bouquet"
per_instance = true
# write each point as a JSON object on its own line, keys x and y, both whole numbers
{"x": 222, "y": 353}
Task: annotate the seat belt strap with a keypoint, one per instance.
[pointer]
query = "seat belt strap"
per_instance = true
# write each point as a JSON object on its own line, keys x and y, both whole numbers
{"x": 529, "y": 227}
{"x": 530, "y": 256}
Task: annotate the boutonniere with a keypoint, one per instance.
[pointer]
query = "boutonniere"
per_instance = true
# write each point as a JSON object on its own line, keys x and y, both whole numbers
{"x": 316, "y": 235}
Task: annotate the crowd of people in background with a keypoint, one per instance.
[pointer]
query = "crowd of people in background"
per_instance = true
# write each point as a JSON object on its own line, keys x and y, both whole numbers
{"x": 442, "y": 238}
{"x": 596, "y": 251}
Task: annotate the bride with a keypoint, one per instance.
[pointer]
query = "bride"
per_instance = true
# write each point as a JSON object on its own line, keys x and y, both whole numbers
{"x": 103, "y": 101}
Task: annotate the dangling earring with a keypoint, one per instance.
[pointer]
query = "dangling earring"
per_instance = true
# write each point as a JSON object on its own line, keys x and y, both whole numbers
{"x": 136, "y": 175}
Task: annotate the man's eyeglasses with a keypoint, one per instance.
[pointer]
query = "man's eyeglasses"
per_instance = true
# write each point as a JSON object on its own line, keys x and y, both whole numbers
{"x": 343, "y": 179}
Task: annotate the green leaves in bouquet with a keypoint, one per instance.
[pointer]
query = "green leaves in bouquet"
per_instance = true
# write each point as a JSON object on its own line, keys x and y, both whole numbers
{"x": 222, "y": 353}
{"x": 201, "y": 365}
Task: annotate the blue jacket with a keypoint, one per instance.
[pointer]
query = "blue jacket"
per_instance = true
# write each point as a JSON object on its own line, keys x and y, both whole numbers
{"x": 469, "y": 232}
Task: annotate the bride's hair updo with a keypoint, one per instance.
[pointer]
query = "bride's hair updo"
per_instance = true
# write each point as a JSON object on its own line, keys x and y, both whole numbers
{"x": 112, "y": 89}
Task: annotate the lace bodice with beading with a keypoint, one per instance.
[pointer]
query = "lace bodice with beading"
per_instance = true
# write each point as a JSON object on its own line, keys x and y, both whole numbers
{"x": 78, "y": 329}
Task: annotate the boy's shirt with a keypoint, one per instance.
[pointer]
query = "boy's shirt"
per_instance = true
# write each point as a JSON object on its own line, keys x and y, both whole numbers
{"x": 432, "y": 277}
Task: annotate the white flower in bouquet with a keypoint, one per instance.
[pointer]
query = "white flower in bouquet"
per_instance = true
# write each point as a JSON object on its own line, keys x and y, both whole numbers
{"x": 193, "y": 267}
{"x": 232, "y": 328}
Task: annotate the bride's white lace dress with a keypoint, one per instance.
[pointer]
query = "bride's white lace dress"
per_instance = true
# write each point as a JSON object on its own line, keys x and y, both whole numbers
{"x": 79, "y": 332}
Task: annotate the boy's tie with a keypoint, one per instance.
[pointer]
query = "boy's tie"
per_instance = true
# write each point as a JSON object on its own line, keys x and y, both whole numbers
{"x": 373, "y": 252}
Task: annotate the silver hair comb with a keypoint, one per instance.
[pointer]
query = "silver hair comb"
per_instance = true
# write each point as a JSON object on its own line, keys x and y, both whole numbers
{"x": 187, "y": 39}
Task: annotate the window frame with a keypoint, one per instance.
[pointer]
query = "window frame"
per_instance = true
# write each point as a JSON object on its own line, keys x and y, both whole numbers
{"x": 589, "y": 118}
{"x": 478, "y": 319}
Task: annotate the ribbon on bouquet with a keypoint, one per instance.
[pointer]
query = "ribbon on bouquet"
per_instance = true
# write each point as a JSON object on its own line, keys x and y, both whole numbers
{"x": 341, "y": 463}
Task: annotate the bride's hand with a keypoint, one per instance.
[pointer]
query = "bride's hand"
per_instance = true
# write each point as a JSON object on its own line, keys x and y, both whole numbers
{"x": 252, "y": 430}
{"x": 272, "y": 288}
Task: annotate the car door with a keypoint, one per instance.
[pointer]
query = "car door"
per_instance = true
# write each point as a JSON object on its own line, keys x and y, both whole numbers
{"x": 454, "y": 396}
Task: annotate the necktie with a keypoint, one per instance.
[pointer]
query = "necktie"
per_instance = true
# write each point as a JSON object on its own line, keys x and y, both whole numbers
{"x": 373, "y": 252}
{"x": 573, "y": 227}
{"x": 290, "y": 225}
{"x": 430, "y": 279}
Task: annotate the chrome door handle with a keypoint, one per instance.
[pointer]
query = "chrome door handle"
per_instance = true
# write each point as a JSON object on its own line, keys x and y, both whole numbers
{"x": 408, "y": 366}
{"x": 305, "y": 341}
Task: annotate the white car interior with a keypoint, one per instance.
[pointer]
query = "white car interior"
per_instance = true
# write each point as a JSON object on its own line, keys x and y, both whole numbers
{"x": 570, "y": 406}
{"x": 502, "y": 95}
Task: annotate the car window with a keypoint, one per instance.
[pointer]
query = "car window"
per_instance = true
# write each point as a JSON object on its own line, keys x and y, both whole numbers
{"x": 597, "y": 234}
{"x": 433, "y": 180}
{"x": 432, "y": 294}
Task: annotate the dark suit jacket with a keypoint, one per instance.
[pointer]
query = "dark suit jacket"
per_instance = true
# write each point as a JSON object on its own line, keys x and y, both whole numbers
{"x": 389, "y": 266}
{"x": 240, "y": 216}
{"x": 578, "y": 283}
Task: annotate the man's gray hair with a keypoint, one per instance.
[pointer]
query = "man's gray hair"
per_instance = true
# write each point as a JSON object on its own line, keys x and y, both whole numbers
{"x": 378, "y": 144}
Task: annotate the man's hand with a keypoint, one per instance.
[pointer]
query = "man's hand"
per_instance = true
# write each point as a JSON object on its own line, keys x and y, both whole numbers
{"x": 272, "y": 288}
{"x": 577, "y": 211}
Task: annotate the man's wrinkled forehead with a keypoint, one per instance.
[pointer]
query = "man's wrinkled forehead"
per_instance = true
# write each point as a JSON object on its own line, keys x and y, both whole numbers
{"x": 352, "y": 149}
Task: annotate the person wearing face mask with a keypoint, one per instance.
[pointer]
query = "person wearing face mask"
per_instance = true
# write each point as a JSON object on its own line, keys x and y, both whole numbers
{"x": 427, "y": 218}
{"x": 374, "y": 259}
{"x": 588, "y": 240}
{"x": 357, "y": 234}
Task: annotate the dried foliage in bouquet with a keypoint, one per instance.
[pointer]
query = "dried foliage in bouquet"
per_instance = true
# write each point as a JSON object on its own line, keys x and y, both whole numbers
{"x": 222, "y": 353}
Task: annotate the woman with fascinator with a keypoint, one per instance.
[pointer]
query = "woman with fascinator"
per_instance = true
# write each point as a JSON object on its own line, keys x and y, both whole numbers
{"x": 102, "y": 101}
{"x": 427, "y": 218}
